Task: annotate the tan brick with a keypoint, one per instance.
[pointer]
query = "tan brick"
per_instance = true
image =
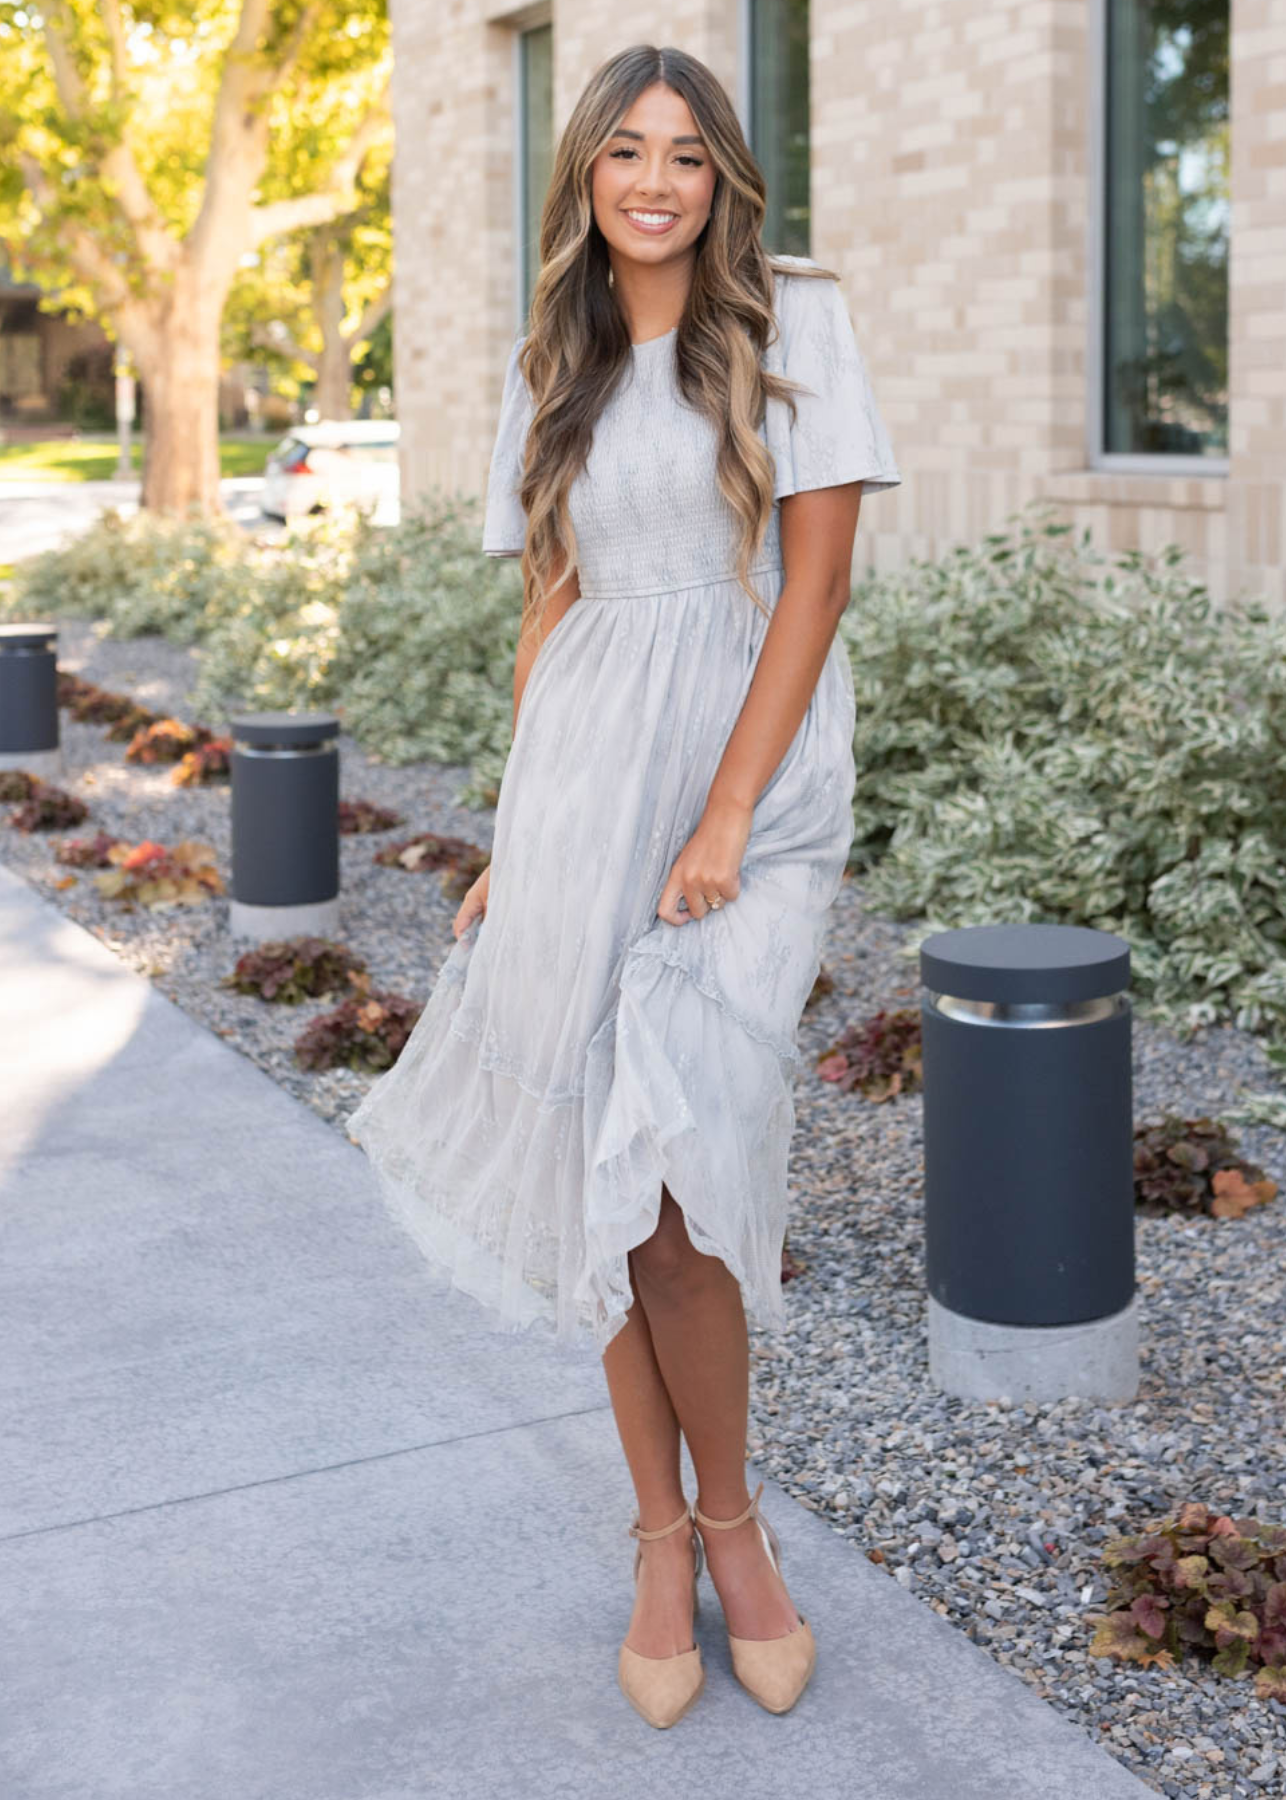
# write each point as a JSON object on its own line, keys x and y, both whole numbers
{"x": 951, "y": 175}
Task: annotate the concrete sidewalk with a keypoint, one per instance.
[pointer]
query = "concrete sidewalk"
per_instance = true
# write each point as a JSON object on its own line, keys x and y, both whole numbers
{"x": 278, "y": 1523}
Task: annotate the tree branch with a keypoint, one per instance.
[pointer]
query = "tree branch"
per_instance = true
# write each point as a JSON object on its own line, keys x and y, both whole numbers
{"x": 86, "y": 255}
{"x": 285, "y": 66}
{"x": 111, "y": 12}
{"x": 337, "y": 197}
{"x": 285, "y": 344}
{"x": 376, "y": 311}
{"x": 239, "y": 132}
{"x": 118, "y": 165}
{"x": 59, "y": 32}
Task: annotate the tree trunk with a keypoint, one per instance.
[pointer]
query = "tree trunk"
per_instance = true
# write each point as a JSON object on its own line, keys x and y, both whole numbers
{"x": 179, "y": 363}
{"x": 334, "y": 396}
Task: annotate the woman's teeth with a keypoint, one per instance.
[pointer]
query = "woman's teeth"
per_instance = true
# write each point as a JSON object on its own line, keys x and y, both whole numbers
{"x": 651, "y": 221}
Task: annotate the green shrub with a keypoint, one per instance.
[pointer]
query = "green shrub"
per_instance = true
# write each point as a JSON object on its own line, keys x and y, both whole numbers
{"x": 1042, "y": 733}
{"x": 138, "y": 574}
{"x": 428, "y": 636}
{"x": 410, "y": 633}
{"x": 1039, "y": 741}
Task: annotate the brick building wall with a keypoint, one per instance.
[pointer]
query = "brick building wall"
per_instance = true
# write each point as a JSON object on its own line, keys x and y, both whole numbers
{"x": 952, "y": 162}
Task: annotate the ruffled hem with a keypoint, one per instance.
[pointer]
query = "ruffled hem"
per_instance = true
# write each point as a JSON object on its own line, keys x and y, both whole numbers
{"x": 677, "y": 1090}
{"x": 724, "y": 1161}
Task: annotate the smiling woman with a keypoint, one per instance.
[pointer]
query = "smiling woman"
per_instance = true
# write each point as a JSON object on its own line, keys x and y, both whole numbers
{"x": 589, "y": 1127}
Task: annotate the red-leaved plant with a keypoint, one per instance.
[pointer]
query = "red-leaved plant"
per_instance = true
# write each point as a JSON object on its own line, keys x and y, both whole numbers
{"x": 208, "y": 761}
{"x": 90, "y": 704}
{"x": 159, "y": 877}
{"x": 364, "y": 1032}
{"x": 881, "y": 1056}
{"x": 1202, "y": 1580}
{"x": 365, "y": 815}
{"x": 823, "y": 984}
{"x": 87, "y": 853}
{"x": 1191, "y": 1165}
{"x": 289, "y": 970}
{"x": 165, "y": 740}
{"x": 16, "y": 784}
{"x": 127, "y": 727}
{"x": 47, "y": 808}
{"x": 459, "y": 861}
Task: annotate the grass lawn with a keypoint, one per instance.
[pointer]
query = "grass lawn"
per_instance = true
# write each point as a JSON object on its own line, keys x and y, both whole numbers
{"x": 92, "y": 457}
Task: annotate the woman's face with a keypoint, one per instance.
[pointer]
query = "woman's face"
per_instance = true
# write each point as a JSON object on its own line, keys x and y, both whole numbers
{"x": 653, "y": 181}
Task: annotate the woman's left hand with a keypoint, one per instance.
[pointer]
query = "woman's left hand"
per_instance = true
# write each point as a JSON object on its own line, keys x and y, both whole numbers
{"x": 709, "y": 865}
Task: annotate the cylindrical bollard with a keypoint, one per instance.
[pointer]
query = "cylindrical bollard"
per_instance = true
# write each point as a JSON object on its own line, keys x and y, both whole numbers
{"x": 29, "y": 698}
{"x": 285, "y": 825}
{"x": 1029, "y": 1162}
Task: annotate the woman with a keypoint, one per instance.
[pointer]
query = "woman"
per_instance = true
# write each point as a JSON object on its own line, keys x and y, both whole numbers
{"x": 589, "y": 1126}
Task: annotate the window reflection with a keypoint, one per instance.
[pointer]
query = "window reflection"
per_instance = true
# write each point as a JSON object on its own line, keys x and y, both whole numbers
{"x": 536, "y": 132}
{"x": 779, "y": 119}
{"x": 1167, "y": 227}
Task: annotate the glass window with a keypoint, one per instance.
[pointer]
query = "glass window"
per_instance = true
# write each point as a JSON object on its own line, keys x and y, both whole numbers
{"x": 536, "y": 144}
{"x": 777, "y": 88}
{"x": 1166, "y": 199}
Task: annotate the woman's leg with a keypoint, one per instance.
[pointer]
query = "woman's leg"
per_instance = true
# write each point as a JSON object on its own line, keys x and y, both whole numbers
{"x": 700, "y": 1353}
{"x": 661, "y": 1624}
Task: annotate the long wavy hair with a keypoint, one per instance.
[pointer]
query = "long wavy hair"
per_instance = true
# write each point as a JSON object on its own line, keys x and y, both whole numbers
{"x": 578, "y": 341}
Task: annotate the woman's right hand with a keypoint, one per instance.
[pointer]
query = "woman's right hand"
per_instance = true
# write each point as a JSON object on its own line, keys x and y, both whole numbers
{"x": 474, "y": 902}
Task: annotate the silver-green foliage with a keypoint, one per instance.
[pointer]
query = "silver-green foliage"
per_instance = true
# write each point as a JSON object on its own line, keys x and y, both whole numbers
{"x": 428, "y": 633}
{"x": 409, "y": 633}
{"x": 1041, "y": 734}
{"x": 137, "y": 573}
{"x": 1044, "y": 736}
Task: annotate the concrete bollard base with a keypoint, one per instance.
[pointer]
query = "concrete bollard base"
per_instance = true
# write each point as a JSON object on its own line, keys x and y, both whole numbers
{"x": 315, "y": 918}
{"x": 1095, "y": 1360}
{"x": 48, "y": 764}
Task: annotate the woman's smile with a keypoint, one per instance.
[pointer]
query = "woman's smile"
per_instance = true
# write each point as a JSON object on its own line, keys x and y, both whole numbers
{"x": 652, "y": 222}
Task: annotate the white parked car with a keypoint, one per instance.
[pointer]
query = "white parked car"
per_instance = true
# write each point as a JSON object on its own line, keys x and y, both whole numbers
{"x": 333, "y": 462}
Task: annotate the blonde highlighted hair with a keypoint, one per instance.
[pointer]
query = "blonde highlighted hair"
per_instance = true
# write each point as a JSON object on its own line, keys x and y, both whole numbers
{"x": 578, "y": 342}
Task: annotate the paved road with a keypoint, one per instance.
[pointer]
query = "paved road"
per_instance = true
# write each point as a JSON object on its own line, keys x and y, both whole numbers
{"x": 280, "y": 1523}
{"x": 39, "y": 515}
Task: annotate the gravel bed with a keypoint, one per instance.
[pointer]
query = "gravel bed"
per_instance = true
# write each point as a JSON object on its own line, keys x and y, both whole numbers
{"x": 991, "y": 1512}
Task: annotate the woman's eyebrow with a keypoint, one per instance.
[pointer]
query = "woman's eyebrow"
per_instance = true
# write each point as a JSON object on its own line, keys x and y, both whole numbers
{"x": 689, "y": 139}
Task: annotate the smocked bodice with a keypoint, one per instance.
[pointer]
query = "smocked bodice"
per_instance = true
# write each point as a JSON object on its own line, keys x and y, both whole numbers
{"x": 647, "y": 508}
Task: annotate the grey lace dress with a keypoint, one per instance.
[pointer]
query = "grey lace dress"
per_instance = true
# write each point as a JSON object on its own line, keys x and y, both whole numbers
{"x": 576, "y": 1050}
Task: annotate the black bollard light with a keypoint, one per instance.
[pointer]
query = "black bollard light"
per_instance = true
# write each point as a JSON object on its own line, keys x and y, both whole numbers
{"x": 1029, "y": 1163}
{"x": 29, "y": 698}
{"x": 285, "y": 825}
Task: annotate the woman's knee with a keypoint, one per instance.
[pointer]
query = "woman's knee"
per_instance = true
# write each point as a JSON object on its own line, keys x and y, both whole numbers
{"x": 668, "y": 1258}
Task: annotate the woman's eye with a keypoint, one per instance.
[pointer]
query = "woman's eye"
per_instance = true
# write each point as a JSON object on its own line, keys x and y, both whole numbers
{"x": 694, "y": 161}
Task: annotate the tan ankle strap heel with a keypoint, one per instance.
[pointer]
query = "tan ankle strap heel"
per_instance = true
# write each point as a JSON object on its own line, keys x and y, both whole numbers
{"x": 774, "y": 1670}
{"x": 636, "y": 1530}
{"x": 663, "y": 1688}
{"x": 698, "y": 1548}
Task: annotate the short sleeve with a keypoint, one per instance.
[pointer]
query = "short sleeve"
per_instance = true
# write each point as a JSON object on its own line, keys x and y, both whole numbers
{"x": 504, "y": 529}
{"x": 838, "y": 434}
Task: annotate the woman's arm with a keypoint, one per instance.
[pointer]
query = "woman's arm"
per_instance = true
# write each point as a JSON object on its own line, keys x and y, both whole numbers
{"x": 529, "y": 648}
{"x": 817, "y": 532}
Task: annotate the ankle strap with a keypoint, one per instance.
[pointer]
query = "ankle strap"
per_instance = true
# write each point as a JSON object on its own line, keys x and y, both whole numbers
{"x": 726, "y": 1524}
{"x": 637, "y": 1531}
